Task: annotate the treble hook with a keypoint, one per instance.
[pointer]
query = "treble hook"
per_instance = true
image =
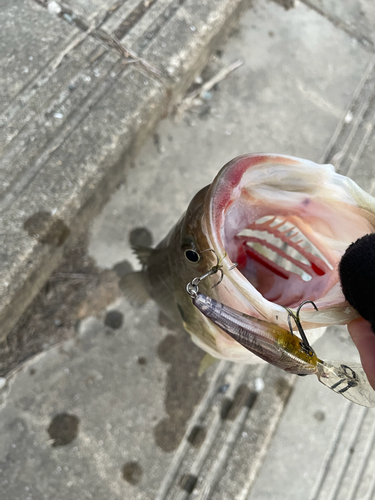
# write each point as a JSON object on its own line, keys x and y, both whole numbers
{"x": 305, "y": 343}
{"x": 192, "y": 286}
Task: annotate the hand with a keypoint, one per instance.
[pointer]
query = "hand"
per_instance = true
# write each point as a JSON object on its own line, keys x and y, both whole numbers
{"x": 364, "y": 339}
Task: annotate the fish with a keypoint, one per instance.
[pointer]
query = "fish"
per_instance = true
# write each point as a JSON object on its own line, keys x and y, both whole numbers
{"x": 285, "y": 222}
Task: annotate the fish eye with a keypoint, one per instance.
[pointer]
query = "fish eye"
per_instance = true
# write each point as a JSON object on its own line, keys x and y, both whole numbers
{"x": 192, "y": 255}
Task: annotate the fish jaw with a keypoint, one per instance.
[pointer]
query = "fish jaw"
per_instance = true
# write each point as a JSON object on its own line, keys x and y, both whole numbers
{"x": 261, "y": 206}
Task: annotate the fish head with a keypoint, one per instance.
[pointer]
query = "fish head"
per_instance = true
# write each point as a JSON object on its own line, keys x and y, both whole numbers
{"x": 285, "y": 222}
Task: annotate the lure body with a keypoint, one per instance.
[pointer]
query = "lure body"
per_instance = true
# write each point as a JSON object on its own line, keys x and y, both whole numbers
{"x": 272, "y": 343}
{"x": 283, "y": 349}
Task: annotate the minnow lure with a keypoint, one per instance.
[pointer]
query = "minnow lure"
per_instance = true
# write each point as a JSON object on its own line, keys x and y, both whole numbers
{"x": 281, "y": 348}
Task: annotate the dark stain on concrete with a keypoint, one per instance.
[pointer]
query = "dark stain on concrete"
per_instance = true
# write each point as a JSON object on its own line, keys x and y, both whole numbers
{"x": 63, "y": 429}
{"x": 287, "y": 4}
{"x": 319, "y": 415}
{"x": 140, "y": 236}
{"x": 230, "y": 408}
{"x": 75, "y": 290}
{"x": 123, "y": 268}
{"x": 184, "y": 389}
{"x": 114, "y": 319}
{"x": 226, "y": 404}
{"x": 47, "y": 229}
{"x": 157, "y": 143}
{"x": 132, "y": 473}
{"x": 188, "y": 482}
{"x": 282, "y": 387}
{"x": 164, "y": 320}
{"x": 197, "y": 436}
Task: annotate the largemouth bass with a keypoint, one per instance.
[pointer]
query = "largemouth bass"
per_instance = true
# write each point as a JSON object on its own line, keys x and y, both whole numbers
{"x": 286, "y": 222}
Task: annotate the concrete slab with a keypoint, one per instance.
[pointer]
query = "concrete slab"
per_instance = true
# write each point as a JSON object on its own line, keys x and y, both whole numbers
{"x": 74, "y": 121}
{"x": 126, "y": 414}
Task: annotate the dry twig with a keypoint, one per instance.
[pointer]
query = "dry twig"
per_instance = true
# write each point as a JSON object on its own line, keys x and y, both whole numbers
{"x": 189, "y": 100}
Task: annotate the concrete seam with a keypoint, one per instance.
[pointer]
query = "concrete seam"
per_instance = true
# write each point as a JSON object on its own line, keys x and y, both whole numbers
{"x": 30, "y": 89}
{"x": 34, "y": 84}
{"x": 368, "y": 131}
{"x": 347, "y": 455}
{"x": 327, "y": 461}
{"x": 371, "y": 491}
{"x": 357, "y": 108}
{"x": 362, "y": 39}
{"x": 275, "y": 420}
{"x": 200, "y": 411}
{"x": 226, "y": 450}
{"x": 163, "y": 18}
{"x": 109, "y": 40}
{"x": 132, "y": 18}
{"x": 216, "y": 425}
{"x": 363, "y": 463}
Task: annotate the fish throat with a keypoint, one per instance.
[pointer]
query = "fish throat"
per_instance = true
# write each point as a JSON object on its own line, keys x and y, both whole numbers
{"x": 278, "y": 259}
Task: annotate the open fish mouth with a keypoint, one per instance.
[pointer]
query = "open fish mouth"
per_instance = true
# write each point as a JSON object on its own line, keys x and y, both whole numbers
{"x": 272, "y": 252}
{"x": 286, "y": 222}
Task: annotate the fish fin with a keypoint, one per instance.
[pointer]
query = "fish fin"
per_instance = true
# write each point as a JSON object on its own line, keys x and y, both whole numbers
{"x": 134, "y": 287}
{"x": 142, "y": 253}
{"x": 206, "y": 362}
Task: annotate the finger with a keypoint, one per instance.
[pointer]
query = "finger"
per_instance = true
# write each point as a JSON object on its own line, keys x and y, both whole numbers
{"x": 364, "y": 339}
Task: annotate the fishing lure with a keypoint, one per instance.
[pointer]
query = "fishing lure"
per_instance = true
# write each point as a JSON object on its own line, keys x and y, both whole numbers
{"x": 281, "y": 348}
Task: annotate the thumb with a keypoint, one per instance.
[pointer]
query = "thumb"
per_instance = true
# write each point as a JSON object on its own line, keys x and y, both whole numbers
{"x": 364, "y": 340}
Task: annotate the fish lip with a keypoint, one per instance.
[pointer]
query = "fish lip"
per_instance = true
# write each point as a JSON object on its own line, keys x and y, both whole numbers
{"x": 218, "y": 199}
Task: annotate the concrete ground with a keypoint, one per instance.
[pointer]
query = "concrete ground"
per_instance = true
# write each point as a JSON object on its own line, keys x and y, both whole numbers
{"x": 116, "y": 408}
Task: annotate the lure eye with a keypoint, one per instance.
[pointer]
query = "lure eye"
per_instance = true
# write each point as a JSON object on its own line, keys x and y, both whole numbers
{"x": 192, "y": 255}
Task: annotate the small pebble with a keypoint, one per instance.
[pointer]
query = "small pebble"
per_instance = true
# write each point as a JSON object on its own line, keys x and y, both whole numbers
{"x": 53, "y": 7}
{"x": 259, "y": 384}
{"x": 206, "y": 95}
{"x": 3, "y": 381}
{"x": 68, "y": 18}
{"x": 223, "y": 388}
{"x": 348, "y": 117}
